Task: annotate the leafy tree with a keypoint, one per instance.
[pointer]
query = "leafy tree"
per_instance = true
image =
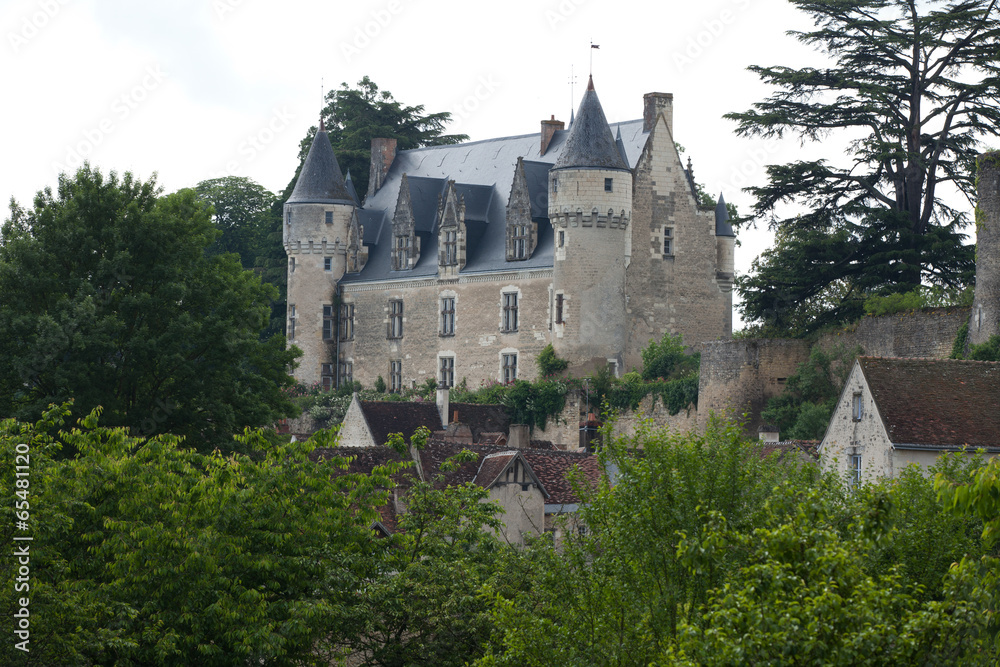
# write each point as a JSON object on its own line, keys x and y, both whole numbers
{"x": 804, "y": 408}
{"x": 241, "y": 211}
{"x": 914, "y": 86}
{"x": 107, "y": 296}
{"x": 355, "y": 116}
{"x": 667, "y": 359}
{"x": 148, "y": 553}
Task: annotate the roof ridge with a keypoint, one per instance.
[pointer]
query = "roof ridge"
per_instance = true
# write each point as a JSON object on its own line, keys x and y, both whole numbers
{"x": 490, "y": 139}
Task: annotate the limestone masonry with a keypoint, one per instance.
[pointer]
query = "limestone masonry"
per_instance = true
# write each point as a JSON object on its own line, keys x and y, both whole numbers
{"x": 464, "y": 261}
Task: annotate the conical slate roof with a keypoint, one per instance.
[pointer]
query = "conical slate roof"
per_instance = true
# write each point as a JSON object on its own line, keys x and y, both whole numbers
{"x": 590, "y": 142}
{"x": 320, "y": 181}
{"x": 351, "y": 190}
{"x": 722, "y": 225}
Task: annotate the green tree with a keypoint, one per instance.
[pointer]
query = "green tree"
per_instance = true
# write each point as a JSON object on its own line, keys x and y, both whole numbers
{"x": 355, "y": 116}
{"x": 242, "y": 212}
{"x": 148, "y": 553}
{"x": 107, "y": 296}
{"x": 914, "y": 86}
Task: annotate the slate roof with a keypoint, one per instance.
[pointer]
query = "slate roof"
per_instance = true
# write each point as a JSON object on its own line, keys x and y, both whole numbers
{"x": 320, "y": 181}
{"x": 590, "y": 143}
{"x": 385, "y": 417}
{"x": 722, "y": 225}
{"x": 933, "y": 403}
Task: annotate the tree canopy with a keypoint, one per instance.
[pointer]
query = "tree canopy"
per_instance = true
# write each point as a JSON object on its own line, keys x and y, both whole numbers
{"x": 913, "y": 90}
{"x": 354, "y": 116}
{"x": 107, "y": 297}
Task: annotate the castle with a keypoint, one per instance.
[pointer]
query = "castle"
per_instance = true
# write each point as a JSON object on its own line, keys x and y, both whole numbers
{"x": 465, "y": 261}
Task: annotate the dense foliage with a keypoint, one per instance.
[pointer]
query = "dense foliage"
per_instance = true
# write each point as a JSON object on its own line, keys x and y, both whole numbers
{"x": 914, "y": 88}
{"x": 107, "y": 296}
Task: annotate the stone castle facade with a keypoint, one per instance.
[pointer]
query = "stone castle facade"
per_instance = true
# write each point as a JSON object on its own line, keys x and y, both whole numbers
{"x": 464, "y": 261}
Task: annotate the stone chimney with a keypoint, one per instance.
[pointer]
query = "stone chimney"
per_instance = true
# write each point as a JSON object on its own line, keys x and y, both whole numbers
{"x": 653, "y": 104}
{"x": 383, "y": 153}
{"x": 443, "y": 403}
{"x": 985, "y": 318}
{"x": 520, "y": 436}
{"x": 549, "y": 128}
{"x": 768, "y": 433}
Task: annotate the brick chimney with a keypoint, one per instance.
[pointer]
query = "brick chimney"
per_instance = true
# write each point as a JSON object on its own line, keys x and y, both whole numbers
{"x": 383, "y": 153}
{"x": 549, "y": 128}
{"x": 520, "y": 436}
{"x": 654, "y": 104}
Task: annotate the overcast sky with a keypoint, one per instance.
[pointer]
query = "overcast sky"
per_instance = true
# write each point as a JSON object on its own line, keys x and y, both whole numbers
{"x": 193, "y": 89}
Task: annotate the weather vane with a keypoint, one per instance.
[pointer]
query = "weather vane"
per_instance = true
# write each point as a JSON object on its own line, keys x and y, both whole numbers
{"x": 592, "y": 47}
{"x": 572, "y": 80}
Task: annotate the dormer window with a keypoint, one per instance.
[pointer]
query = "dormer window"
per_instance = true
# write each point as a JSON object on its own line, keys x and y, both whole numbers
{"x": 520, "y": 241}
{"x": 401, "y": 253}
{"x": 450, "y": 248}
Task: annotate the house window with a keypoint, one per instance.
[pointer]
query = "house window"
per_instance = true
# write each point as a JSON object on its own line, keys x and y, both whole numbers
{"x": 509, "y": 321}
{"x": 450, "y": 248}
{"x": 326, "y": 376}
{"x": 328, "y": 323}
{"x": 561, "y": 238}
{"x": 855, "y": 469}
{"x": 509, "y": 368}
{"x": 329, "y": 217}
{"x": 559, "y": 308}
{"x": 608, "y": 184}
{"x": 519, "y": 242}
{"x": 346, "y": 373}
{"x": 396, "y": 376}
{"x": 291, "y": 322}
{"x": 328, "y": 263}
{"x": 857, "y": 408}
{"x": 448, "y": 316}
{"x": 347, "y": 321}
{"x": 291, "y": 265}
{"x": 395, "y": 318}
{"x": 668, "y": 241}
{"x": 447, "y": 371}
{"x": 400, "y": 253}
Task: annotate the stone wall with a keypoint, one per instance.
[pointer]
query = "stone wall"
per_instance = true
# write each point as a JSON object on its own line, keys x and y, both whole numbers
{"x": 656, "y": 414}
{"x": 928, "y": 333}
{"x": 985, "y": 320}
{"x": 563, "y": 431}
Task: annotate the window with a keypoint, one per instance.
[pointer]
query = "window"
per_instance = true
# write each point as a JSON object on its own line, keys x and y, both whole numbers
{"x": 555, "y": 185}
{"x": 509, "y": 368}
{"x": 347, "y": 321}
{"x": 291, "y": 322}
{"x": 509, "y": 323}
{"x": 562, "y": 238}
{"x": 519, "y": 242}
{"x": 395, "y": 319}
{"x": 401, "y": 253}
{"x": 668, "y": 241}
{"x": 328, "y": 263}
{"x": 329, "y": 217}
{"x": 858, "y": 408}
{"x": 448, "y": 316}
{"x": 447, "y": 371}
{"x": 291, "y": 265}
{"x": 608, "y": 182}
{"x": 855, "y": 469}
{"x": 288, "y": 217}
{"x": 346, "y": 373}
{"x": 450, "y": 248}
{"x": 559, "y": 308}
{"x": 328, "y": 323}
{"x": 326, "y": 376}
{"x": 396, "y": 376}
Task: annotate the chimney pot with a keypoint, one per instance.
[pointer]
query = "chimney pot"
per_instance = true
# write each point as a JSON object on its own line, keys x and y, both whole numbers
{"x": 653, "y": 104}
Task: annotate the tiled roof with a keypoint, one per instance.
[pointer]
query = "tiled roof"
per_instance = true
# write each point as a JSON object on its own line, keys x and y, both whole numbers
{"x": 385, "y": 417}
{"x": 805, "y": 449}
{"x": 492, "y": 467}
{"x": 553, "y": 467}
{"x": 481, "y": 418}
{"x": 936, "y": 403}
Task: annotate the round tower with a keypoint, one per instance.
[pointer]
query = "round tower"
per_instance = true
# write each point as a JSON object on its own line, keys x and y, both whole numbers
{"x": 317, "y": 219}
{"x": 590, "y": 206}
{"x": 985, "y": 319}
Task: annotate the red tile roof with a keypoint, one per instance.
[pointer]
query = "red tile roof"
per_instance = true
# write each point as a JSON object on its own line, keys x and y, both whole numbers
{"x": 553, "y": 467}
{"x": 936, "y": 403}
{"x": 492, "y": 467}
{"x": 386, "y": 417}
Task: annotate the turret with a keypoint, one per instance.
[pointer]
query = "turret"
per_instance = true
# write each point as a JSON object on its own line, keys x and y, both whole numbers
{"x": 318, "y": 220}
{"x": 725, "y": 260}
{"x": 985, "y": 319}
{"x": 590, "y": 206}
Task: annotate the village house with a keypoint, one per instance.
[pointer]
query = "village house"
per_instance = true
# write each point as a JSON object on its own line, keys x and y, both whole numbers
{"x": 896, "y": 412}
